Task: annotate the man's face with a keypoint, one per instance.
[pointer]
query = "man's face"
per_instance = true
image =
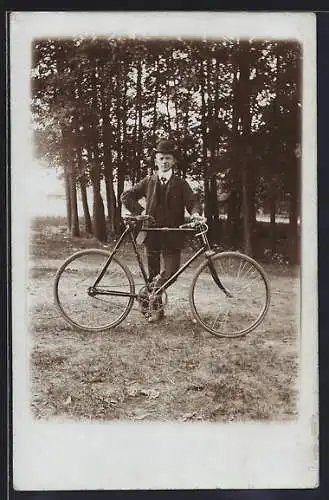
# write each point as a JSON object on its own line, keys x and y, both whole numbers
{"x": 164, "y": 162}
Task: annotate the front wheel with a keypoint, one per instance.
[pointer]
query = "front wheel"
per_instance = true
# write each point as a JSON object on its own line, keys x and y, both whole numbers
{"x": 99, "y": 308}
{"x": 235, "y": 304}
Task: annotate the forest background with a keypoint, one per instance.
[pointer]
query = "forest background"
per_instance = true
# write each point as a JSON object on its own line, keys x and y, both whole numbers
{"x": 232, "y": 107}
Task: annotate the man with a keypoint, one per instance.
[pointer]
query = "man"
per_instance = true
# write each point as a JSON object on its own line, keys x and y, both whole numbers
{"x": 167, "y": 196}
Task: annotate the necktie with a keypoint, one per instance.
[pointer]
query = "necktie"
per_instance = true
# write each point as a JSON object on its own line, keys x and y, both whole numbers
{"x": 163, "y": 181}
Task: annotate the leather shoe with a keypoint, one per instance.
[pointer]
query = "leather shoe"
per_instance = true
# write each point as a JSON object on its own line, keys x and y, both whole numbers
{"x": 156, "y": 316}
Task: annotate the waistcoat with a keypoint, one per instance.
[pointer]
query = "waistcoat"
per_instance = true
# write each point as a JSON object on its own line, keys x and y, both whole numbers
{"x": 161, "y": 210}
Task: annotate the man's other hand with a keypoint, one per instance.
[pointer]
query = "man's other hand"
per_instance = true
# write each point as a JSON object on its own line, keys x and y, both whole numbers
{"x": 197, "y": 218}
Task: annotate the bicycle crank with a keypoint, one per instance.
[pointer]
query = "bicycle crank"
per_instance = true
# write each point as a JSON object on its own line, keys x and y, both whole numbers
{"x": 149, "y": 301}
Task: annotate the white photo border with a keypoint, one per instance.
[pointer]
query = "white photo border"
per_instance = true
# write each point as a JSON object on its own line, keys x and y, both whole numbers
{"x": 116, "y": 455}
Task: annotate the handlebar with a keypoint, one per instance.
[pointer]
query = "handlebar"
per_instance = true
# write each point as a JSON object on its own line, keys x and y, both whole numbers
{"x": 193, "y": 225}
{"x": 199, "y": 225}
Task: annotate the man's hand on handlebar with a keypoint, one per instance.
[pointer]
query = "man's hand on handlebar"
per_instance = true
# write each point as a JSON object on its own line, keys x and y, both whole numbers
{"x": 134, "y": 218}
{"x": 198, "y": 219}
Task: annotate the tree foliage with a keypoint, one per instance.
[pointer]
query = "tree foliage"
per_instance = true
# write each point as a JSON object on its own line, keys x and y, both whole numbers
{"x": 233, "y": 107}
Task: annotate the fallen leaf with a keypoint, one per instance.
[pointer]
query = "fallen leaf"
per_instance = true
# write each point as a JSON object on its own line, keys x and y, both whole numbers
{"x": 153, "y": 394}
{"x": 135, "y": 391}
{"x": 150, "y": 393}
{"x": 141, "y": 417}
{"x": 68, "y": 401}
{"x": 195, "y": 387}
{"x": 188, "y": 416}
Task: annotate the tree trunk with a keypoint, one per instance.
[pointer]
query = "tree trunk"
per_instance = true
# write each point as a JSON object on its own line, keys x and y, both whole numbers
{"x": 246, "y": 175}
{"x": 106, "y": 100}
{"x": 83, "y": 188}
{"x": 156, "y": 91}
{"x": 233, "y": 218}
{"x": 84, "y": 199}
{"x": 111, "y": 202}
{"x": 234, "y": 201}
{"x": 213, "y": 200}
{"x": 273, "y": 223}
{"x": 70, "y": 160}
{"x": 140, "y": 121}
{"x": 245, "y": 211}
{"x": 204, "y": 143}
{"x": 99, "y": 227}
{"x": 75, "y": 229}
{"x": 293, "y": 224}
{"x": 98, "y": 219}
{"x": 67, "y": 195}
{"x": 109, "y": 189}
{"x": 120, "y": 166}
{"x": 66, "y": 165}
{"x": 124, "y": 126}
{"x": 99, "y": 224}
{"x": 213, "y": 209}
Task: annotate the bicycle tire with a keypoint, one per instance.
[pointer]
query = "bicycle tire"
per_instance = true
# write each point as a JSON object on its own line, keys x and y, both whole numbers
{"x": 72, "y": 299}
{"x": 205, "y": 294}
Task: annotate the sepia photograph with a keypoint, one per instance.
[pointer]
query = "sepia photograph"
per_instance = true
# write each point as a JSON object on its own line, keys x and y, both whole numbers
{"x": 164, "y": 243}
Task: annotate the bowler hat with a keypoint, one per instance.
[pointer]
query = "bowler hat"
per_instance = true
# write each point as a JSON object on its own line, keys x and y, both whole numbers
{"x": 165, "y": 147}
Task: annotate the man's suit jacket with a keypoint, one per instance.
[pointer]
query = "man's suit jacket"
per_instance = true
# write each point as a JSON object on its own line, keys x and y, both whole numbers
{"x": 178, "y": 196}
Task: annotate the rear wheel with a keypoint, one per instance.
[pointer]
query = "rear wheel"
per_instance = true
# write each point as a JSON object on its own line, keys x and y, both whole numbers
{"x": 245, "y": 305}
{"x": 93, "y": 309}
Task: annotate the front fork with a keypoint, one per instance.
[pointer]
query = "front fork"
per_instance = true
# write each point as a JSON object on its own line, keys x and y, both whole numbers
{"x": 214, "y": 273}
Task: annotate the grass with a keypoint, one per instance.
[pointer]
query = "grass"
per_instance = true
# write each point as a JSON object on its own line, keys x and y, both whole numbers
{"x": 171, "y": 371}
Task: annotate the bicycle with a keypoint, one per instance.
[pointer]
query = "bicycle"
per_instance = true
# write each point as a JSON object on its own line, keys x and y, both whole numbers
{"x": 229, "y": 294}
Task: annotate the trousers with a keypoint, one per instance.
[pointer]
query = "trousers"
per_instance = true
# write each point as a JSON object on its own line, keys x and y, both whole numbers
{"x": 171, "y": 263}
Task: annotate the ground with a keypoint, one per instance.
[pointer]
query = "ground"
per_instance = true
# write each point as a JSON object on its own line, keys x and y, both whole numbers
{"x": 171, "y": 371}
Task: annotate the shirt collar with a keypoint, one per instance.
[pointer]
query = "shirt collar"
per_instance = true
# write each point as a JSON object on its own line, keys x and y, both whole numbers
{"x": 167, "y": 175}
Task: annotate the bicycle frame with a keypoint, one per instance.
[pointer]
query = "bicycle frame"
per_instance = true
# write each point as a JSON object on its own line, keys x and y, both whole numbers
{"x": 205, "y": 249}
{"x": 127, "y": 230}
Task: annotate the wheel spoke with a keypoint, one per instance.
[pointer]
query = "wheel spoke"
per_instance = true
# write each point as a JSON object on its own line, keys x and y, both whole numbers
{"x": 90, "y": 312}
{"x": 250, "y": 295}
{"x": 223, "y": 320}
{"x": 241, "y": 266}
{"x": 250, "y": 270}
{"x": 247, "y": 286}
{"x": 107, "y": 302}
{"x": 216, "y": 319}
